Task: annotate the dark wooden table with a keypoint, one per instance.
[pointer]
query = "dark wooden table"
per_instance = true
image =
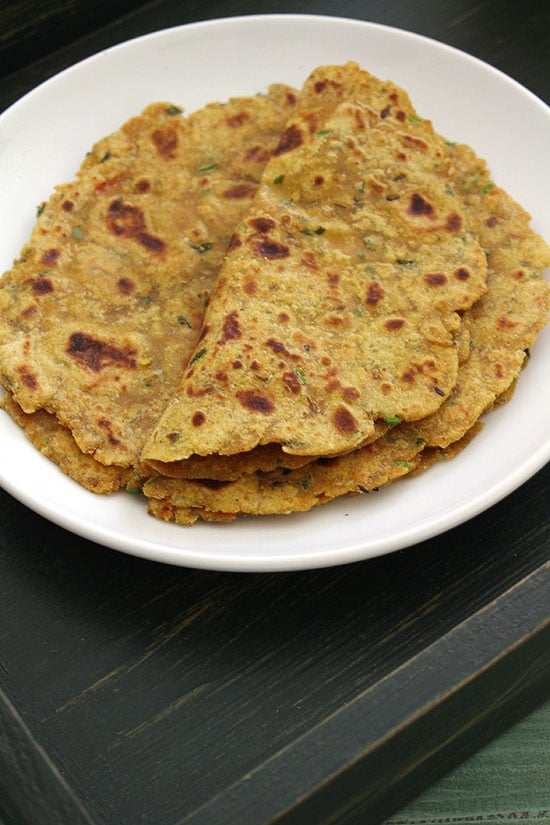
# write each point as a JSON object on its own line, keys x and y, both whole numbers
{"x": 132, "y": 692}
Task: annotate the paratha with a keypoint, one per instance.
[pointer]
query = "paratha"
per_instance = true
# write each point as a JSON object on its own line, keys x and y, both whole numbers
{"x": 337, "y": 303}
{"x": 495, "y": 334}
{"x": 101, "y": 311}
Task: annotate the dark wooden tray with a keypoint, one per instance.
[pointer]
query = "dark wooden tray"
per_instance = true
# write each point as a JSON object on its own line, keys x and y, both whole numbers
{"x": 131, "y": 692}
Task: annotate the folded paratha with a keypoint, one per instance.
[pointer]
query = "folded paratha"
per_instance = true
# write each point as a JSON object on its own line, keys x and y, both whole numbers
{"x": 336, "y": 305}
{"x": 496, "y": 332}
{"x": 100, "y": 313}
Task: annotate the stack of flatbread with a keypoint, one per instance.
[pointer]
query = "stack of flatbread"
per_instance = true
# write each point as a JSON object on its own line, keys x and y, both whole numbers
{"x": 270, "y": 304}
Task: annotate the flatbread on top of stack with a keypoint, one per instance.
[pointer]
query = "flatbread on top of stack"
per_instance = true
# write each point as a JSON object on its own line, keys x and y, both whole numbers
{"x": 337, "y": 303}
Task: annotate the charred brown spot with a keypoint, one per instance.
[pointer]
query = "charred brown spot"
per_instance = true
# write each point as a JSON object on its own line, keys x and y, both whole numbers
{"x": 250, "y": 286}
{"x": 279, "y": 349}
{"x": 518, "y": 275}
{"x": 385, "y": 112}
{"x": 420, "y": 206}
{"x": 41, "y": 286}
{"x": 386, "y": 388}
{"x": 492, "y": 221}
{"x": 29, "y": 311}
{"x": 50, "y": 256}
{"x": 198, "y": 418}
{"x": 67, "y": 206}
{"x": 333, "y": 385}
{"x": 27, "y": 378}
{"x": 290, "y": 139}
{"x": 237, "y": 120}
{"x": 237, "y": 365}
{"x": 409, "y": 140}
{"x": 375, "y": 293}
{"x": 461, "y": 274}
{"x": 283, "y": 317}
{"x": 262, "y": 225}
{"x": 320, "y": 86}
{"x": 350, "y": 393}
{"x": 96, "y": 354}
{"x": 128, "y": 221}
{"x": 400, "y": 115}
{"x": 318, "y": 180}
{"x": 204, "y": 332}
{"x": 221, "y": 376}
{"x": 143, "y": 185}
{"x": 193, "y": 393}
{"x": 291, "y": 382}
{"x": 290, "y": 98}
{"x": 272, "y": 250}
{"x": 240, "y": 190}
{"x": 126, "y": 286}
{"x": 212, "y": 483}
{"x": 231, "y": 328}
{"x": 376, "y": 187}
{"x": 105, "y": 424}
{"x": 506, "y": 323}
{"x": 344, "y": 421}
{"x": 435, "y": 279}
{"x": 234, "y": 243}
{"x": 394, "y": 324}
{"x": 454, "y": 222}
{"x": 333, "y": 279}
{"x": 255, "y": 366}
{"x": 408, "y": 377}
{"x": 257, "y": 154}
{"x": 166, "y": 142}
{"x": 254, "y": 401}
{"x": 173, "y": 437}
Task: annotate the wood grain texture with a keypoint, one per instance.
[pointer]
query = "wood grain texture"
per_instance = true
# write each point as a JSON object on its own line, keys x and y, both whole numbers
{"x": 152, "y": 694}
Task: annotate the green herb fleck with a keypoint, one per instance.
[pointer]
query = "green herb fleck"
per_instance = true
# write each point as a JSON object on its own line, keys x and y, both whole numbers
{"x": 145, "y": 300}
{"x": 201, "y": 247}
{"x": 183, "y": 321}
{"x": 487, "y": 188}
{"x": 357, "y": 201}
{"x": 305, "y": 482}
{"x": 399, "y": 463}
{"x": 40, "y": 208}
{"x": 392, "y": 419}
{"x": 319, "y": 231}
{"x": 279, "y": 179}
{"x": 174, "y": 110}
{"x": 449, "y": 190}
{"x": 323, "y": 132}
{"x": 415, "y": 119}
{"x": 135, "y": 491}
{"x": 197, "y": 355}
{"x": 205, "y": 170}
{"x": 301, "y": 376}
{"x": 105, "y": 157}
{"x": 77, "y": 232}
{"x": 408, "y": 262}
{"x": 450, "y": 143}
{"x": 418, "y": 441}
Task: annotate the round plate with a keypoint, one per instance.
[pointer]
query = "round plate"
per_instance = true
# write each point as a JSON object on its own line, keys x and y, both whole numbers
{"x": 467, "y": 100}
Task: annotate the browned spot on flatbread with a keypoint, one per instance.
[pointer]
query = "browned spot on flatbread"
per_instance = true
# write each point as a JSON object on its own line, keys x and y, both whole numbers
{"x": 344, "y": 421}
{"x": 96, "y": 354}
{"x": 198, "y": 418}
{"x": 41, "y": 286}
{"x": 231, "y": 328}
{"x": 240, "y": 190}
{"x": 273, "y": 250}
{"x": 128, "y": 221}
{"x": 256, "y": 402}
{"x": 166, "y": 142}
{"x": 435, "y": 278}
{"x": 375, "y": 293}
{"x": 28, "y": 378}
{"x": 419, "y": 206}
{"x": 50, "y": 256}
{"x": 291, "y": 382}
{"x": 290, "y": 139}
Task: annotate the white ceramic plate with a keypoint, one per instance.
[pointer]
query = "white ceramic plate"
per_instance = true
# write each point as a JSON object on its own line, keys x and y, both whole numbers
{"x": 43, "y": 139}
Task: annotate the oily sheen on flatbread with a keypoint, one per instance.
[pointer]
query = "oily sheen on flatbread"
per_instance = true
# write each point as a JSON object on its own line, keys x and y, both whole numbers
{"x": 337, "y": 302}
{"x": 100, "y": 313}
